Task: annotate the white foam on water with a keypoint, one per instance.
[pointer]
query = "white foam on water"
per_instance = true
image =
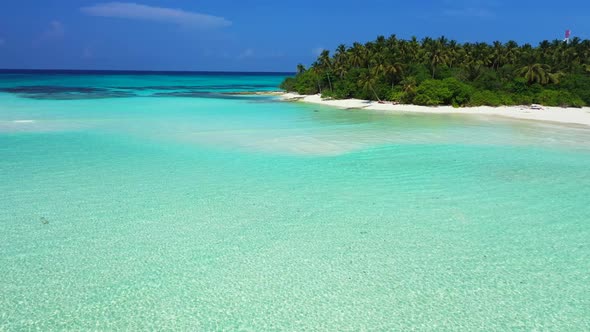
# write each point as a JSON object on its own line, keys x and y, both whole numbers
{"x": 42, "y": 126}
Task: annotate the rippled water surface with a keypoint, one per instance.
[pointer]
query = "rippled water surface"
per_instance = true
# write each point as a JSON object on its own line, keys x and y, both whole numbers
{"x": 136, "y": 201}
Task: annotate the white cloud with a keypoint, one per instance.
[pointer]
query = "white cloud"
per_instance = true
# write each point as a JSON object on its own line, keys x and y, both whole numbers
{"x": 317, "y": 51}
{"x": 130, "y": 10}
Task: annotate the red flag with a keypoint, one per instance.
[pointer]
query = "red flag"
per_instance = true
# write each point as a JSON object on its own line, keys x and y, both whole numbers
{"x": 568, "y": 33}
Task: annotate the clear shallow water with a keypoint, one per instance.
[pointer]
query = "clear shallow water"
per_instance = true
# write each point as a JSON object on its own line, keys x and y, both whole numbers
{"x": 221, "y": 212}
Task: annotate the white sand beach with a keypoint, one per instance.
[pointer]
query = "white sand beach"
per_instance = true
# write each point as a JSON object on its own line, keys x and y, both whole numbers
{"x": 539, "y": 113}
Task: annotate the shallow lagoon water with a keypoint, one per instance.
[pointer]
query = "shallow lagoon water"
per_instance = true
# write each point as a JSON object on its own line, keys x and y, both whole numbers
{"x": 210, "y": 212}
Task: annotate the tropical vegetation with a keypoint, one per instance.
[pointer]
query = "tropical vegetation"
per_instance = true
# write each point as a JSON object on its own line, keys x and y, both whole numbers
{"x": 445, "y": 72}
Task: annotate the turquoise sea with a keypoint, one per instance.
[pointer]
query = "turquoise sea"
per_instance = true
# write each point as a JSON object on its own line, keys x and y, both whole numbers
{"x": 157, "y": 201}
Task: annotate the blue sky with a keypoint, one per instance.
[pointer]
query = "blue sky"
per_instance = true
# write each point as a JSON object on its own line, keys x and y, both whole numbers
{"x": 254, "y": 35}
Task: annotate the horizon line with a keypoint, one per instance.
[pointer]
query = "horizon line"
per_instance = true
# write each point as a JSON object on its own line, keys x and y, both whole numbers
{"x": 146, "y": 71}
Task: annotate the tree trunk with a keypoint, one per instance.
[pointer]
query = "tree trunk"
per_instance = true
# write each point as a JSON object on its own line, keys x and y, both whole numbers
{"x": 375, "y": 93}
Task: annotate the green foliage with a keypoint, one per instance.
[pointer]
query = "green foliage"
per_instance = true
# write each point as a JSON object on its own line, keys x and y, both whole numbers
{"x": 507, "y": 99}
{"x": 523, "y": 99}
{"x": 485, "y": 97}
{"x": 419, "y": 72}
{"x": 577, "y": 85}
{"x": 488, "y": 80}
{"x": 396, "y": 96}
{"x": 461, "y": 92}
{"x": 344, "y": 89}
{"x": 506, "y": 73}
{"x": 289, "y": 84}
{"x": 517, "y": 86}
{"x": 306, "y": 83}
{"x": 432, "y": 93}
{"x": 443, "y": 72}
{"x": 449, "y": 91}
{"x": 558, "y": 98}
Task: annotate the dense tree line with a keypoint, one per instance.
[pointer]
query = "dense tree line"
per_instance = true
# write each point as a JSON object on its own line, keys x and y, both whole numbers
{"x": 445, "y": 72}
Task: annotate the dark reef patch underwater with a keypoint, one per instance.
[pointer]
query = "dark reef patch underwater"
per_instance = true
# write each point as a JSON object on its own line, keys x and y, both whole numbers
{"x": 51, "y": 92}
{"x": 65, "y": 93}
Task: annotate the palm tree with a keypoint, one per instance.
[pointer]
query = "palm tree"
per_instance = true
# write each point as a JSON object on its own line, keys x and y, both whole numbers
{"x": 366, "y": 83}
{"x": 392, "y": 42}
{"x": 300, "y": 69}
{"x": 356, "y": 55}
{"x": 482, "y": 54}
{"x": 454, "y": 52}
{"x": 409, "y": 86}
{"x": 411, "y": 50}
{"x": 326, "y": 65}
{"x": 497, "y": 55}
{"x": 380, "y": 43}
{"x": 376, "y": 64}
{"x": 317, "y": 73}
{"x": 436, "y": 55}
{"x": 544, "y": 50}
{"x": 584, "y": 51}
{"x": 340, "y": 65}
{"x": 340, "y": 69}
{"x": 511, "y": 52}
{"x": 393, "y": 70}
{"x": 571, "y": 57}
{"x": 539, "y": 73}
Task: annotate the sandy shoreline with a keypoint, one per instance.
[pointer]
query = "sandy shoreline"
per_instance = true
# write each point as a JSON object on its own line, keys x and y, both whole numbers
{"x": 579, "y": 116}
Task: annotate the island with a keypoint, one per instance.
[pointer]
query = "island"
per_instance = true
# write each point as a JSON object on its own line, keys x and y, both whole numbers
{"x": 436, "y": 72}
